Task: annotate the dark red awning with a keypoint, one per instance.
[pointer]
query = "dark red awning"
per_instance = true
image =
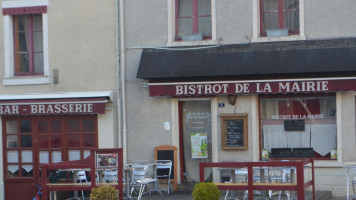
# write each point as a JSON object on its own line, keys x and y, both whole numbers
{"x": 25, "y": 10}
{"x": 282, "y": 86}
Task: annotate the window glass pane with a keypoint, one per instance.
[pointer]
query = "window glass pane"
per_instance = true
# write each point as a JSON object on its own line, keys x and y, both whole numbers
{"x": 38, "y": 63}
{"x": 88, "y": 125}
{"x": 12, "y": 156}
{"x": 21, "y": 22}
{"x": 43, "y": 141}
{"x": 185, "y": 7}
{"x": 43, "y": 126}
{"x": 21, "y": 42}
{"x": 270, "y": 21}
{"x": 56, "y": 126}
{"x": 27, "y": 170}
{"x": 56, "y": 141}
{"x": 204, "y": 25}
{"x": 56, "y": 156}
{"x": 291, "y": 4}
{"x": 21, "y": 61}
{"x": 73, "y": 140}
{"x": 316, "y": 127}
{"x": 270, "y": 5}
{"x": 37, "y": 22}
{"x": 12, "y": 141}
{"x": 11, "y": 126}
{"x": 291, "y": 20}
{"x": 204, "y": 7}
{"x": 88, "y": 140}
{"x": 38, "y": 41}
{"x": 73, "y": 125}
{"x": 185, "y": 26}
{"x": 74, "y": 155}
{"x": 26, "y": 156}
{"x": 25, "y": 126}
{"x": 26, "y": 141}
{"x": 44, "y": 157}
{"x": 86, "y": 153}
{"x": 12, "y": 170}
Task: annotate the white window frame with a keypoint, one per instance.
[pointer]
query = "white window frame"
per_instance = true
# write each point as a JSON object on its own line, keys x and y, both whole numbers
{"x": 9, "y": 74}
{"x": 256, "y": 25}
{"x": 171, "y": 28}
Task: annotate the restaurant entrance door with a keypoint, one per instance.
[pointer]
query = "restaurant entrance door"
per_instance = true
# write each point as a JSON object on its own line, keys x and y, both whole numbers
{"x": 194, "y": 138}
{"x": 31, "y": 141}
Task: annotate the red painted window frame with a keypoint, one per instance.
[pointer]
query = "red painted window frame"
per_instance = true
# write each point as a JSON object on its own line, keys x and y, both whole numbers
{"x": 30, "y": 47}
{"x": 281, "y": 12}
{"x": 35, "y": 147}
{"x": 316, "y": 157}
{"x": 195, "y": 17}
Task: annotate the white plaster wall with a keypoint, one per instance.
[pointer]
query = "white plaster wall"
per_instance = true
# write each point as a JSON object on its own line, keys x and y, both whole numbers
{"x": 107, "y": 137}
{"x": 329, "y": 18}
{"x": 234, "y": 21}
{"x": 81, "y": 37}
{"x": 242, "y": 106}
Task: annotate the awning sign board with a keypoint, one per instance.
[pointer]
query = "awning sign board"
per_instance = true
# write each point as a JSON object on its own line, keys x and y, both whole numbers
{"x": 251, "y": 87}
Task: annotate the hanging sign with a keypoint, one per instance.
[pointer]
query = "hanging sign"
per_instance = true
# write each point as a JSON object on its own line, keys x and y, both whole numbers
{"x": 199, "y": 145}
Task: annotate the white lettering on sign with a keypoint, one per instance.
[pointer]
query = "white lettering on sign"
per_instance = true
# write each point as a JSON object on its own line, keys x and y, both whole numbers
{"x": 309, "y": 86}
{"x": 244, "y": 88}
{"x": 316, "y": 116}
{"x": 201, "y": 89}
{"x": 46, "y": 109}
{"x": 8, "y": 110}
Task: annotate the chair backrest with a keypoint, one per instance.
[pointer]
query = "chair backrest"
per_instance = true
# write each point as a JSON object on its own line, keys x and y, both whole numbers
{"x": 110, "y": 176}
{"x": 164, "y": 168}
{"x": 82, "y": 177}
{"x": 139, "y": 173}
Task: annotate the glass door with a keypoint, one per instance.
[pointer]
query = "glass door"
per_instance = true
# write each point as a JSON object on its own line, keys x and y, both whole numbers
{"x": 195, "y": 139}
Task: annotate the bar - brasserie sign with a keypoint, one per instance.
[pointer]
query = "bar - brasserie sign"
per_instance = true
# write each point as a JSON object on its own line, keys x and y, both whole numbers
{"x": 250, "y": 87}
{"x": 52, "y": 109}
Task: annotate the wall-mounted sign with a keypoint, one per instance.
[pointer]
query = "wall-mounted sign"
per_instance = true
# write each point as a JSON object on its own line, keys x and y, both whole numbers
{"x": 51, "y": 108}
{"x": 234, "y": 132}
{"x": 250, "y": 87}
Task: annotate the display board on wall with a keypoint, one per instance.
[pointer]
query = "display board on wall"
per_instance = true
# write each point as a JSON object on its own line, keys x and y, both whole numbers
{"x": 234, "y": 132}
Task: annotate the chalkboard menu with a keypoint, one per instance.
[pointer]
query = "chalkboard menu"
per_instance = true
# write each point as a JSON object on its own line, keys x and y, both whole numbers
{"x": 234, "y": 132}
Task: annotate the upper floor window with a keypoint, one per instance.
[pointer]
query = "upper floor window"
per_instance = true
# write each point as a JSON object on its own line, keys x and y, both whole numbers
{"x": 25, "y": 29}
{"x": 28, "y": 45}
{"x": 193, "y": 20}
{"x": 279, "y": 14}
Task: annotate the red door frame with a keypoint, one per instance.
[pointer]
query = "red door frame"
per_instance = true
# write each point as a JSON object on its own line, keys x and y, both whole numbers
{"x": 19, "y": 183}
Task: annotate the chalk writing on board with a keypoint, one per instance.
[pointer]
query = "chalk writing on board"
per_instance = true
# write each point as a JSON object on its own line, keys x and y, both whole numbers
{"x": 234, "y": 134}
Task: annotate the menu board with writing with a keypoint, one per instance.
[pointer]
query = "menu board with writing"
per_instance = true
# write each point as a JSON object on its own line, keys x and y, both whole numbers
{"x": 234, "y": 132}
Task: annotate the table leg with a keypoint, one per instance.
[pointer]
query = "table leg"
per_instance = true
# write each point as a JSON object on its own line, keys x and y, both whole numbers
{"x": 127, "y": 181}
{"x": 233, "y": 180}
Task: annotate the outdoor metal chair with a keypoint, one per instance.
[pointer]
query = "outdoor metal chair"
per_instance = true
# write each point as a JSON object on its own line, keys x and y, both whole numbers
{"x": 82, "y": 178}
{"x": 140, "y": 179}
{"x": 110, "y": 177}
{"x": 164, "y": 172}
